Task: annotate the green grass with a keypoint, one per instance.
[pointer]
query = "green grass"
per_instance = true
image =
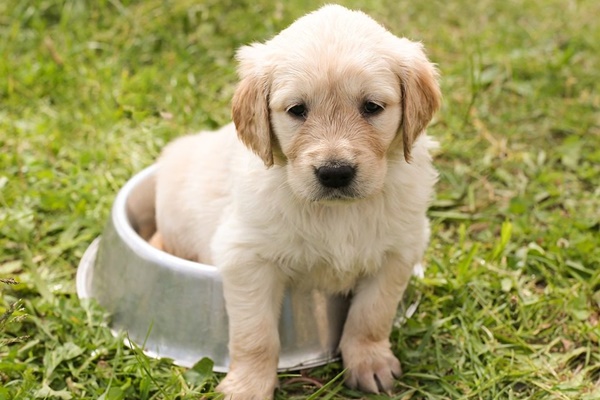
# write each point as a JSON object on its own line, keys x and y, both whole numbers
{"x": 90, "y": 91}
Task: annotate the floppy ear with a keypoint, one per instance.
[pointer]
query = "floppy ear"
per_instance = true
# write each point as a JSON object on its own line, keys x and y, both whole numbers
{"x": 250, "y": 107}
{"x": 421, "y": 96}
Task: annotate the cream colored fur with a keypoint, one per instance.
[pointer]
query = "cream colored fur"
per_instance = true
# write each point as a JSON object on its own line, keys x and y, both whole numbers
{"x": 248, "y": 199}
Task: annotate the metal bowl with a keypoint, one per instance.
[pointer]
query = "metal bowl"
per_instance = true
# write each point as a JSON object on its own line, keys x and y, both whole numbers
{"x": 175, "y": 307}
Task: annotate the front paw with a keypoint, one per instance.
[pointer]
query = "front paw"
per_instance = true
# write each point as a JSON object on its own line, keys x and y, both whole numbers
{"x": 248, "y": 385}
{"x": 370, "y": 367}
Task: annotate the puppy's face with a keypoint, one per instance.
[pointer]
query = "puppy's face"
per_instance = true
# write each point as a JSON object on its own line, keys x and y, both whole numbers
{"x": 334, "y": 120}
{"x": 332, "y": 99}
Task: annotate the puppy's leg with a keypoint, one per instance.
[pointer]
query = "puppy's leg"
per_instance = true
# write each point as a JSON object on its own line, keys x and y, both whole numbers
{"x": 365, "y": 346}
{"x": 253, "y": 294}
{"x": 157, "y": 241}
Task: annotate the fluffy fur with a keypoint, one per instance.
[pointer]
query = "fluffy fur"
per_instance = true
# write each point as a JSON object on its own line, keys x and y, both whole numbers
{"x": 333, "y": 97}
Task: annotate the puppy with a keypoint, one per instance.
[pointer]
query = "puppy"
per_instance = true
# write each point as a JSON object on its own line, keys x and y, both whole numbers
{"x": 323, "y": 181}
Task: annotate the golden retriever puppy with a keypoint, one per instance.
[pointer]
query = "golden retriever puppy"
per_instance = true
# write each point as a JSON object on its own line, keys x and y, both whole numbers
{"x": 323, "y": 180}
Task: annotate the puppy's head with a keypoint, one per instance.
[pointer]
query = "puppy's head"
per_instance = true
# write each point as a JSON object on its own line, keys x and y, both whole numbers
{"x": 333, "y": 98}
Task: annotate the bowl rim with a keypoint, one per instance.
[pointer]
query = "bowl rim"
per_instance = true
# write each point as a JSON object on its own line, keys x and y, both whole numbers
{"x": 140, "y": 246}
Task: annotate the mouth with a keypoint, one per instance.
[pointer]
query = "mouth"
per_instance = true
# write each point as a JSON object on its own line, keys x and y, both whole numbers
{"x": 339, "y": 196}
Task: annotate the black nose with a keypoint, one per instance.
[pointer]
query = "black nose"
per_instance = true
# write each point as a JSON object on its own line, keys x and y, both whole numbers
{"x": 335, "y": 176}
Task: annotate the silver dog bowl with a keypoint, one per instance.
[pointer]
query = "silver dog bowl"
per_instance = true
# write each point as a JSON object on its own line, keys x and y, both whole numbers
{"x": 175, "y": 308}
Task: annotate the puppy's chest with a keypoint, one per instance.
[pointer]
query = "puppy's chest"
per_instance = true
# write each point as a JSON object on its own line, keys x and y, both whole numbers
{"x": 334, "y": 246}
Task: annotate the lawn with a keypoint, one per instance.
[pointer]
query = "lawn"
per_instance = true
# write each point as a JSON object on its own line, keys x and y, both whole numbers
{"x": 91, "y": 90}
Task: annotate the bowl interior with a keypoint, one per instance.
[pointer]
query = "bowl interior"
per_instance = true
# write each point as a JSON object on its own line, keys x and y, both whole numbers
{"x": 140, "y": 207}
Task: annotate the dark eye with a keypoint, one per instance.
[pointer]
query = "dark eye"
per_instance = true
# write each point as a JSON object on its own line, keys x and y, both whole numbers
{"x": 371, "y": 108}
{"x": 299, "y": 110}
